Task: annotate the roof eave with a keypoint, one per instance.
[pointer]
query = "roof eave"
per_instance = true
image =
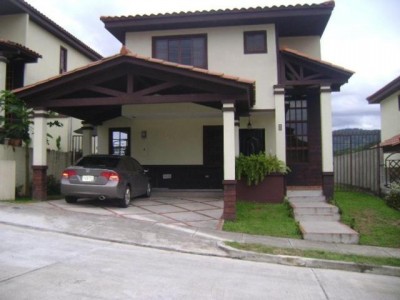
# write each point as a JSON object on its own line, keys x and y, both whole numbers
{"x": 389, "y": 89}
{"x": 57, "y": 30}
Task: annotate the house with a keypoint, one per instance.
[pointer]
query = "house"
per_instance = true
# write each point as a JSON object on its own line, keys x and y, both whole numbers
{"x": 33, "y": 48}
{"x": 388, "y": 97}
{"x": 191, "y": 90}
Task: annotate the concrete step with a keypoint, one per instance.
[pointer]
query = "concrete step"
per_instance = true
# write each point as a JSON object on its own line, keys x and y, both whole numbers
{"x": 317, "y": 217}
{"x": 316, "y": 208}
{"x": 330, "y": 232}
{"x": 307, "y": 199}
{"x": 303, "y": 193}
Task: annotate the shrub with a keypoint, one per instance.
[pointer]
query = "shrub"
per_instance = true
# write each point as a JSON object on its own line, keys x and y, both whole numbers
{"x": 393, "y": 198}
{"x": 53, "y": 185}
{"x": 256, "y": 166}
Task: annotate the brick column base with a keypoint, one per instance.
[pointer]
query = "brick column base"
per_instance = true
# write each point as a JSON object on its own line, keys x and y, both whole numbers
{"x": 229, "y": 200}
{"x": 328, "y": 184}
{"x": 39, "y": 183}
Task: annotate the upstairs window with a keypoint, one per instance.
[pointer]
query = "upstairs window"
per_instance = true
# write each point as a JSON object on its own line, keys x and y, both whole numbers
{"x": 185, "y": 50}
{"x": 255, "y": 42}
{"x": 63, "y": 59}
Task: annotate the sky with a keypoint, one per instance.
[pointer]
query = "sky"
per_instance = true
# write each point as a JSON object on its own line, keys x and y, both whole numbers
{"x": 362, "y": 36}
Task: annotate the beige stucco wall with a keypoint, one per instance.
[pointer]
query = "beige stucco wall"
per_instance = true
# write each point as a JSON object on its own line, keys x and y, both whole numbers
{"x": 390, "y": 115}
{"x": 309, "y": 45}
{"x": 173, "y": 137}
{"x": 65, "y": 132}
{"x": 48, "y": 46}
{"x": 226, "y": 54}
{"x": 14, "y": 28}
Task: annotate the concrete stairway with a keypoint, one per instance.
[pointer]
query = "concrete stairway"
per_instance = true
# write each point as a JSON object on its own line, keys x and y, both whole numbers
{"x": 319, "y": 220}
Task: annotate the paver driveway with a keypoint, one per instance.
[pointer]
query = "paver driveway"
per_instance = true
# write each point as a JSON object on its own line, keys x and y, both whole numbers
{"x": 194, "y": 209}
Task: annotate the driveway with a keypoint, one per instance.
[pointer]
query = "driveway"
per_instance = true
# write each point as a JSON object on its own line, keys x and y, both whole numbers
{"x": 183, "y": 208}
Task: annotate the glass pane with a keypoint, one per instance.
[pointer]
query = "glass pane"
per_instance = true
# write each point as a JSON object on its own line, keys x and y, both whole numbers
{"x": 173, "y": 51}
{"x": 161, "y": 49}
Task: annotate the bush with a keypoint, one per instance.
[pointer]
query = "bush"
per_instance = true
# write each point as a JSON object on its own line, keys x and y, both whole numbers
{"x": 393, "y": 198}
{"x": 256, "y": 166}
{"x": 53, "y": 185}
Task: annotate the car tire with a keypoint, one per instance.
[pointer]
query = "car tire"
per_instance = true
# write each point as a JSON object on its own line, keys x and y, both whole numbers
{"x": 148, "y": 190}
{"x": 124, "y": 202}
{"x": 70, "y": 199}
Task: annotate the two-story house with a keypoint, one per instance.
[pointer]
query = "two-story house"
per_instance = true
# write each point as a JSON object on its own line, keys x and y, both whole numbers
{"x": 388, "y": 98}
{"x": 33, "y": 48}
{"x": 191, "y": 90}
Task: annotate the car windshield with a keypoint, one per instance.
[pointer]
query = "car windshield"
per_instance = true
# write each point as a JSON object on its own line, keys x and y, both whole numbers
{"x": 98, "y": 162}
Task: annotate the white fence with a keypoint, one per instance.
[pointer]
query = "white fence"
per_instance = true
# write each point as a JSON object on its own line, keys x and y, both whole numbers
{"x": 56, "y": 161}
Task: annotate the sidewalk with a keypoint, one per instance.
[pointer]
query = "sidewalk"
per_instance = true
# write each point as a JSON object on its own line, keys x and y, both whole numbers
{"x": 114, "y": 228}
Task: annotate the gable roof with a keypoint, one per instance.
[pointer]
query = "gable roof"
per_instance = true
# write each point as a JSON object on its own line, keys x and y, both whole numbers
{"x": 97, "y": 91}
{"x": 297, "y": 68}
{"x": 14, "y": 50}
{"x": 389, "y": 89}
{"x": 19, "y": 6}
{"x": 291, "y": 20}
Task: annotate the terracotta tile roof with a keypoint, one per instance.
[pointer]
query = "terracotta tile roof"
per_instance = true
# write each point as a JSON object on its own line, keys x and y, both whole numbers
{"x": 386, "y": 91}
{"x": 16, "y": 46}
{"x": 303, "y": 55}
{"x": 393, "y": 141}
{"x": 330, "y": 4}
{"x": 125, "y": 52}
{"x": 55, "y": 29}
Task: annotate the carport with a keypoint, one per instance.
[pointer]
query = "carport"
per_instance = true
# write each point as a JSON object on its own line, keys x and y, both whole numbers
{"x": 99, "y": 91}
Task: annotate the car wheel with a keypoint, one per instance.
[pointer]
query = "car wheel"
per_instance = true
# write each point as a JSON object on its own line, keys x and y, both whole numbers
{"x": 124, "y": 202}
{"x": 148, "y": 190}
{"x": 70, "y": 199}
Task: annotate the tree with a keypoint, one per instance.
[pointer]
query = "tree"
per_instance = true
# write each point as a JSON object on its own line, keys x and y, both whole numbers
{"x": 16, "y": 121}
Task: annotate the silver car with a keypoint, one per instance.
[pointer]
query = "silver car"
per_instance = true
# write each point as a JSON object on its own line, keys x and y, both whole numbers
{"x": 105, "y": 177}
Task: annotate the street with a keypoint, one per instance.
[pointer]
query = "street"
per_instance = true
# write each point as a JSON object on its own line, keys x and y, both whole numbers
{"x": 37, "y": 264}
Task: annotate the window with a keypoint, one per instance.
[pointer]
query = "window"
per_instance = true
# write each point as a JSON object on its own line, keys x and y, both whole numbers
{"x": 186, "y": 50}
{"x": 63, "y": 60}
{"x": 120, "y": 141}
{"x": 255, "y": 42}
{"x": 296, "y": 130}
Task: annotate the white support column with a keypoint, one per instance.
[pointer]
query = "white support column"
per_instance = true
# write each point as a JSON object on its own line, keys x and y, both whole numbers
{"x": 237, "y": 146}
{"x": 326, "y": 129}
{"x": 229, "y": 140}
{"x": 87, "y": 133}
{"x": 40, "y": 138}
{"x": 3, "y": 74}
{"x": 280, "y": 127}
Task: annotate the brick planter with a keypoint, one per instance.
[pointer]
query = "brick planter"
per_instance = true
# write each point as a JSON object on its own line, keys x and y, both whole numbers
{"x": 270, "y": 190}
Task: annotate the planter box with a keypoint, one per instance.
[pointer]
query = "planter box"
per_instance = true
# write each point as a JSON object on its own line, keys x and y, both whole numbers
{"x": 270, "y": 190}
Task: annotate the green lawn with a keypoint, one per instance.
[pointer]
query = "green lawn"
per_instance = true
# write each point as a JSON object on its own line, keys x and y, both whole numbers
{"x": 319, "y": 254}
{"x": 378, "y": 224}
{"x": 264, "y": 219}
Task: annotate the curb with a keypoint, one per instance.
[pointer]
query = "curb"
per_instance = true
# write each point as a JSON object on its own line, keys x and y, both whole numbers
{"x": 298, "y": 261}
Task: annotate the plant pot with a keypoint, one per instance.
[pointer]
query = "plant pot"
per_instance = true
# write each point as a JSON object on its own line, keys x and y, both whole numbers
{"x": 270, "y": 190}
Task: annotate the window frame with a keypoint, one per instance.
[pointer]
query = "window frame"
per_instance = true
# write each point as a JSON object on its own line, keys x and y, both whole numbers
{"x": 126, "y": 130}
{"x": 295, "y": 151}
{"x": 246, "y": 46}
{"x": 63, "y": 60}
{"x": 180, "y": 38}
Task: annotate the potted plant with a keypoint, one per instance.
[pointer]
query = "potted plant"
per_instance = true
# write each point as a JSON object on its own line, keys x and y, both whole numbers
{"x": 15, "y": 119}
{"x": 261, "y": 178}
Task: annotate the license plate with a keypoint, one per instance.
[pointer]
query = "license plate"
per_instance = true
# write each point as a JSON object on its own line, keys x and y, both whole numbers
{"x": 87, "y": 178}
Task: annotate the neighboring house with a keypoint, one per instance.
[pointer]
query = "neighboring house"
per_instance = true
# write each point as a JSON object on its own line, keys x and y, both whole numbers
{"x": 189, "y": 91}
{"x": 33, "y": 48}
{"x": 388, "y": 98}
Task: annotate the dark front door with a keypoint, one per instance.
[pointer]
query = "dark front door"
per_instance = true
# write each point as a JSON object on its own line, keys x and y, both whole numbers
{"x": 303, "y": 138}
{"x": 213, "y": 156}
{"x": 120, "y": 141}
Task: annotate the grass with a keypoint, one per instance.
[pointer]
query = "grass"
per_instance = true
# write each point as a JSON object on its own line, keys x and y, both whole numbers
{"x": 377, "y": 224}
{"x": 318, "y": 254}
{"x": 264, "y": 219}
